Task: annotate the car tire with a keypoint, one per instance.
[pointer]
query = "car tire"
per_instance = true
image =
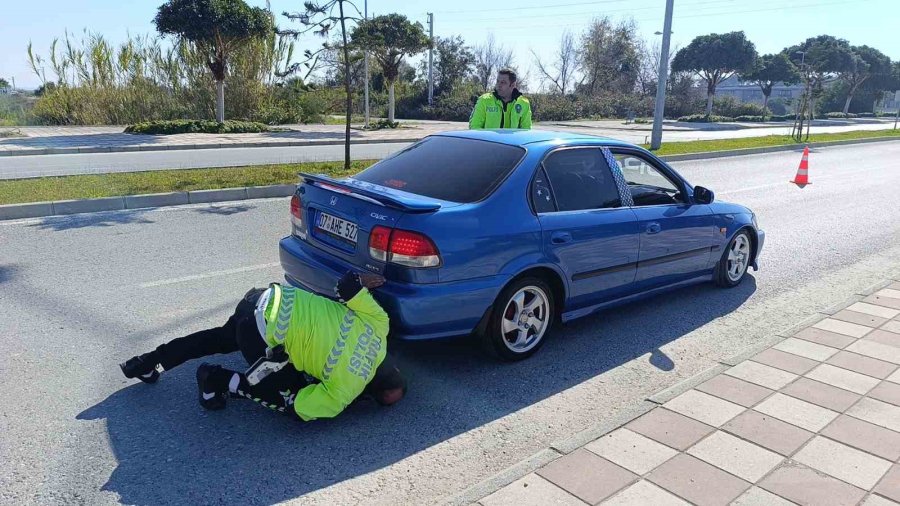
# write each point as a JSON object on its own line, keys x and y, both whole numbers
{"x": 520, "y": 320}
{"x": 735, "y": 261}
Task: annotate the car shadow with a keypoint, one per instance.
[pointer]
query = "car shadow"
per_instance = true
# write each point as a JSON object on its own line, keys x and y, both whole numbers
{"x": 171, "y": 451}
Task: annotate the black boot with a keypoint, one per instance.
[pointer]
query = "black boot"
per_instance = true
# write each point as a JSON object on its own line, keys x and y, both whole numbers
{"x": 212, "y": 386}
{"x": 143, "y": 367}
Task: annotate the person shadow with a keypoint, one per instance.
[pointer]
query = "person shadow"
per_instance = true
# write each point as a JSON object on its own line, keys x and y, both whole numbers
{"x": 170, "y": 451}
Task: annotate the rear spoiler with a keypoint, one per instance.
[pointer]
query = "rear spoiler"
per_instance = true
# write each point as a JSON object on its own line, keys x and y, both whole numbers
{"x": 409, "y": 205}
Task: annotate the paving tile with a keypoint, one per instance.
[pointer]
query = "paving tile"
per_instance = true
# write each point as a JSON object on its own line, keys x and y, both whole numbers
{"x": 849, "y": 329}
{"x": 894, "y": 286}
{"x": 810, "y": 350}
{"x": 670, "y": 428}
{"x": 704, "y": 407}
{"x": 820, "y": 336}
{"x": 886, "y": 391}
{"x": 892, "y": 326}
{"x": 890, "y": 485}
{"x": 843, "y": 462}
{"x": 794, "y": 411}
{"x": 644, "y": 493}
{"x": 884, "y": 337}
{"x": 861, "y": 318}
{"x": 877, "y": 500}
{"x": 876, "y": 350}
{"x": 734, "y": 390}
{"x": 888, "y": 292}
{"x": 530, "y": 490}
{"x": 761, "y": 374}
{"x": 697, "y": 481}
{"x": 738, "y": 457}
{"x": 877, "y": 412}
{"x": 821, "y": 394}
{"x": 842, "y": 378}
{"x": 803, "y": 485}
{"x": 759, "y": 497}
{"x": 873, "y": 310}
{"x": 862, "y": 364}
{"x": 768, "y": 432}
{"x": 881, "y": 300}
{"x": 586, "y": 476}
{"x": 785, "y": 361}
{"x": 865, "y": 436}
{"x": 637, "y": 453}
{"x": 895, "y": 377}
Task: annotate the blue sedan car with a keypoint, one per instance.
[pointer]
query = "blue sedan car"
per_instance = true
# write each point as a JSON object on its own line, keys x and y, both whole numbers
{"x": 502, "y": 233}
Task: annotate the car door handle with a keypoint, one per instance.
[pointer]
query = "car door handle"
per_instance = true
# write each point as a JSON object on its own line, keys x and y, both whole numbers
{"x": 728, "y": 217}
{"x": 653, "y": 228}
{"x": 560, "y": 237}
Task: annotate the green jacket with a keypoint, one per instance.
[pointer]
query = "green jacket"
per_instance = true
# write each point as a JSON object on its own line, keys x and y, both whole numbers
{"x": 491, "y": 112}
{"x": 339, "y": 345}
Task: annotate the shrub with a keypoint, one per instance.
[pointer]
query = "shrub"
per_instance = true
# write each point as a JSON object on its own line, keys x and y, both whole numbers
{"x": 702, "y": 118}
{"x": 751, "y": 119}
{"x": 546, "y": 107}
{"x": 185, "y": 126}
{"x": 730, "y": 106}
{"x": 832, "y": 115}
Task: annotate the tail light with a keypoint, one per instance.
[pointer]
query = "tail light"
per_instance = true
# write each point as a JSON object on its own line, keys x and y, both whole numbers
{"x": 403, "y": 247}
{"x": 297, "y": 215}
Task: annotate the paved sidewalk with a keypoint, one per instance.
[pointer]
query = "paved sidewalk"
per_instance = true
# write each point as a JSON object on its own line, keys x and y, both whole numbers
{"x": 104, "y": 139}
{"x": 813, "y": 419}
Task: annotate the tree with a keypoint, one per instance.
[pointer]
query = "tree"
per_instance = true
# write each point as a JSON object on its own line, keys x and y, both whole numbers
{"x": 866, "y": 62}
{"x": 320, "y": 19}
{"x": 390, "y": 38}
{"x": 564, "y": 66}
{"x": 714, "y": 58}
{"x": 216, "y": 28}
{"x": 769, "y": 70}
{"x": 4, "y": 83}
{"x": 609, "y": 57}
{"x": 820, "y": 59}
{"x": 490, "y": 57}
{"x": 453, "y": 63}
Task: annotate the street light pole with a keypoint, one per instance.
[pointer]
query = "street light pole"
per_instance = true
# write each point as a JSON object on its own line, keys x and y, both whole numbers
{"x": 366, "y": 63}
{"x": 430, "y": 59}
{"x": 656, "y": 136}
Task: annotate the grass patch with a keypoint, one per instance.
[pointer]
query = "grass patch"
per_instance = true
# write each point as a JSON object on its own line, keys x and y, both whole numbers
{"x": 43, "y": 189}
{"x": 681, "y": 148}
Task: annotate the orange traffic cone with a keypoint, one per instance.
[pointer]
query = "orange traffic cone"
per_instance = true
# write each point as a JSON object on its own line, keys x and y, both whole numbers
{"x": 802, "y": 177}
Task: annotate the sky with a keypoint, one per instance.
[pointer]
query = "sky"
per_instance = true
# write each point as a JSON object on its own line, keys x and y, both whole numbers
{"x": 523, "y": 25}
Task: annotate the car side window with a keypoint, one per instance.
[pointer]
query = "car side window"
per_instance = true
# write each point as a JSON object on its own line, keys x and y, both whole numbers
{"x": 581, "y": 179}
{"x": 648, "y": 185}
{"x": 542, "y": 194}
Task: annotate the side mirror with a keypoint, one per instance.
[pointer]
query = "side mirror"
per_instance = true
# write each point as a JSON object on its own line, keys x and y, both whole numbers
{"x": 703, "y": 195}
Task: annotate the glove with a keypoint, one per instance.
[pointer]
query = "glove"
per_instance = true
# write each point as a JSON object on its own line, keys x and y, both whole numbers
{"x": 348, "y": 286}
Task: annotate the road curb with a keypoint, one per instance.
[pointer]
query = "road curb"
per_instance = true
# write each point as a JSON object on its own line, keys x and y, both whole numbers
{"x": 480, "y": 490}
{"x": 772, "y": 149}
{"x": 154, "y": 200}
{"x": 175, "y": 147}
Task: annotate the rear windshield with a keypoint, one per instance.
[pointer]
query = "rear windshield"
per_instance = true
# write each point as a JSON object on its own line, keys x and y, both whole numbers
{"x": 446, "y": 168}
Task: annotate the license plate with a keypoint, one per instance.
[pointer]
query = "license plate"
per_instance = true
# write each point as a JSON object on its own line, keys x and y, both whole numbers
{"x": 337, "y": 227}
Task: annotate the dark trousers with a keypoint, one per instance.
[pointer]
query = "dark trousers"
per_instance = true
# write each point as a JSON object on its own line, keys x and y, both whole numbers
{"x": 239, "y": 333}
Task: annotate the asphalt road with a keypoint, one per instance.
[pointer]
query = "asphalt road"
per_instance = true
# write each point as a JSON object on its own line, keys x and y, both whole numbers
{"x": 82, "y": 293}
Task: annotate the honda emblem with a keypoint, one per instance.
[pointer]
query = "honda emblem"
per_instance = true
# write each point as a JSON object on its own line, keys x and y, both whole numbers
{"x": 334, "y": 201}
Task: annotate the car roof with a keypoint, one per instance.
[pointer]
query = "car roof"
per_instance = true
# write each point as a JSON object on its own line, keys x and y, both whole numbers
{"x": 523, "y": 137}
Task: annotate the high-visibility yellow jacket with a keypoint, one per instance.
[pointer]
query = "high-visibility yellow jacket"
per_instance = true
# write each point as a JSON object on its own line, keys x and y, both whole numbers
{"x": 491, "y": 112}
{"x": 339, "y": 345}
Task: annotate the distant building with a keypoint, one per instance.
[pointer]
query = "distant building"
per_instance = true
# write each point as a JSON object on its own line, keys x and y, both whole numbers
{"x": 889, "y": 103}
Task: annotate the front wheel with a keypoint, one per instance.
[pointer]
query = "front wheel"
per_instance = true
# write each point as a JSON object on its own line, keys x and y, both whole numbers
{"x": 520, "y": 319}
{"x": 732, "y": 267}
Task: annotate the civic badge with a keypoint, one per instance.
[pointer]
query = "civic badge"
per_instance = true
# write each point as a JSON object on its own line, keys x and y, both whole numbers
{"x": 334, "y": 201}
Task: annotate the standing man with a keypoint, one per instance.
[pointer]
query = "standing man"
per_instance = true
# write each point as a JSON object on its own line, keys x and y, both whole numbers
{"x": 505, "y": 107}
{"x": 310, "y": 355}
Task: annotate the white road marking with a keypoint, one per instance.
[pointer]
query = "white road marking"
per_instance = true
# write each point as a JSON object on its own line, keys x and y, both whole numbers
{"x": 207, "y": 275}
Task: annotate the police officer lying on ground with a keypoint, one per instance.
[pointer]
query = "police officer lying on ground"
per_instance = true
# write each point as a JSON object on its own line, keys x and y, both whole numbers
{"x": 308, "y": 354}
{"x": 505, "y": 107}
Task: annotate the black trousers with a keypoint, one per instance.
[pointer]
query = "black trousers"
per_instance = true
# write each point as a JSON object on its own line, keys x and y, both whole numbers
{"x": 239, "y": 333}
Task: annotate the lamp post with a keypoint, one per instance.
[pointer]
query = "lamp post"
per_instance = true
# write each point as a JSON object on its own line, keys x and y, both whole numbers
{"x": 656, "y": 135}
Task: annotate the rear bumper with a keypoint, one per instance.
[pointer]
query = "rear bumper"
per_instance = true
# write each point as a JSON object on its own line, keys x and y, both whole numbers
{"x": 417, "y": 311}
